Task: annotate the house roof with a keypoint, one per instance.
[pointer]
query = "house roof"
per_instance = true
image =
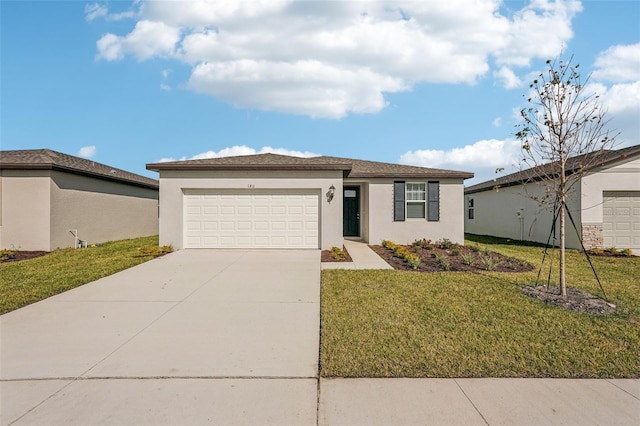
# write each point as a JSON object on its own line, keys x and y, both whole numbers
{"x": 46, "y": 159}
{"x": 604, "y": 158}
{"x": 350, "y": 167}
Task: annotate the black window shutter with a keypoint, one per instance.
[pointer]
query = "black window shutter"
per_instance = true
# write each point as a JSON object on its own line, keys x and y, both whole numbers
{"x": 398, "y": 201}
{"x": 433, "y": 199}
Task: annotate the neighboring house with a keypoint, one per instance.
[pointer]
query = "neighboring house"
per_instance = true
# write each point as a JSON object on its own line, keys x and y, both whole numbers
{"x": 49, "y": 200}
{"x": 605, "y": 205}
{"x": 277, "y": 201}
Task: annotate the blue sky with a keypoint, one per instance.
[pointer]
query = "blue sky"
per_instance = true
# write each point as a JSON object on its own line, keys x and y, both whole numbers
{"x": 430, "y": 83}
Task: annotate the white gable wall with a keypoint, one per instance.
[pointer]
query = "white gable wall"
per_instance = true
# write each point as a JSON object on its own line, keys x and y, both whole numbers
{"x": 511, "y": 213}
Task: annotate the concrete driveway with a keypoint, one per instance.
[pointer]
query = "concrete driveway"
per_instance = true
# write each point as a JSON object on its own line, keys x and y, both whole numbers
{"x": 206, "y": 336}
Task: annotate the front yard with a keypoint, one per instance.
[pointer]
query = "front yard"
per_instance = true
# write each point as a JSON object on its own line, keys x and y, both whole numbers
{"x": 478, "y": 324}
{"x": 29, "y": 281}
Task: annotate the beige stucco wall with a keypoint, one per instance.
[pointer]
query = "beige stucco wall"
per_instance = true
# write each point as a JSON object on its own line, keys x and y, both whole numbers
{"x": 381, "y": 226}
{"x": 25, "y": 207}
{"x": 622, "y": 177}
{"x": 172, "y": 184}
{"x": 496, "y": 214}
{"x": 495, "y": 211}
{"x": 39, "y": 207}
{"x": 100, "y": 210}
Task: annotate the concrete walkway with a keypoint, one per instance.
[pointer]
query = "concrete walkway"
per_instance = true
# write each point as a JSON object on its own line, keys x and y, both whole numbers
{"x": 363, "y": 258}
{"x": 231, "y": 337}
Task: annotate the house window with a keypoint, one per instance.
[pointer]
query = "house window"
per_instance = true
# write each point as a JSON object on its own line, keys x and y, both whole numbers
{"x": 416, "y": 201}
{"x": 470, "y": 208}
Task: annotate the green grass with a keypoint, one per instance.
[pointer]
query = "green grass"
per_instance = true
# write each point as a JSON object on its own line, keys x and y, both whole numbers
{"x": 28, "y": 281}
{"x": 453, "y": 324}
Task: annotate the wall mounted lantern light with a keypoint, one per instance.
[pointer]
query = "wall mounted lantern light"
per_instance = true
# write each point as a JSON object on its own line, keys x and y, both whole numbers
{"x": 331, "y": 193}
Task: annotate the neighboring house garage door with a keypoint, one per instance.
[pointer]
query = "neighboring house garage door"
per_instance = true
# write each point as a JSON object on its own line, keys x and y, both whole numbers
{"x": 250, "y": 219}
{"x": 621, "y": 219}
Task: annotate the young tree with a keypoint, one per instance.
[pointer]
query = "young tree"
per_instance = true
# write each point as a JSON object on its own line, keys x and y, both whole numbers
{"x": 563, "y": 135}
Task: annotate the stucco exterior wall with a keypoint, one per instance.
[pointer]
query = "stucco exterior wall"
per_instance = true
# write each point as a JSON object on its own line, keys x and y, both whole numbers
{"x": 622, "y": 177}
{"x": 173, "y": 182}
{"x": 495, "y": 211}
{"x": 25, "y": 207}
{"x": 99, "y": 210}
{"x": 39, "y": 207}
{"x": 381, "y": 225}
{"x": 496, "y": 214}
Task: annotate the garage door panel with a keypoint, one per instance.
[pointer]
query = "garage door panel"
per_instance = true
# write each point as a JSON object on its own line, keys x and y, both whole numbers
{"x": 258, "y": 219}
{"x": 621, "y": 219}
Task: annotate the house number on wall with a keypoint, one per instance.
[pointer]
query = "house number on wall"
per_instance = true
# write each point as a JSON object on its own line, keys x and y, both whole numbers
{"x": 251, "y": 185}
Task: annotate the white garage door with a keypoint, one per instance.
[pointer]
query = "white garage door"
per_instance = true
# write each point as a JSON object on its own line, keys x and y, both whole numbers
{"x": 621, "y": 219}
{"x": 250, "y": 219}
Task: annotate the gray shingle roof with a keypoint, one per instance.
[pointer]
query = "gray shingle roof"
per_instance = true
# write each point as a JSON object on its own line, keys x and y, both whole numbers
{"x": 46, "y": 159}
{"x": 573, "y": 164}
{"x": 350, "y": 167}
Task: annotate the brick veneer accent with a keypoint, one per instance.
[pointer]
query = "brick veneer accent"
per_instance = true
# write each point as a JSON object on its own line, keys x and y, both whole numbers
{"x": 592, "y": 236}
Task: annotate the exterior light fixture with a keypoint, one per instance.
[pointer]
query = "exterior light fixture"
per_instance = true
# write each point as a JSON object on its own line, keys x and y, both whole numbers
{"x": 331, "y": 193}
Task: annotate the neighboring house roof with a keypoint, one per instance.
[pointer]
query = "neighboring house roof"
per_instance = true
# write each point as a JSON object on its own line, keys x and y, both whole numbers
{"x": 605, "y": 158}
{"x": 350, "y": 167}
{"x": 46, "y": 159}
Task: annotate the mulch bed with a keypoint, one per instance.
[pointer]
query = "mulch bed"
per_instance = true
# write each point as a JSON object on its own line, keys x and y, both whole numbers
{"x": 325, "y": 256}
{"x": 576, "y": 300}
{"x": 24, "y": 255}
{"x": 429, "y": 263}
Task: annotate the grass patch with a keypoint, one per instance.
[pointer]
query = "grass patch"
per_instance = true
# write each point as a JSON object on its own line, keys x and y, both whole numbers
{"x": 444, "y": 324}
{"x": 28, "y": 281}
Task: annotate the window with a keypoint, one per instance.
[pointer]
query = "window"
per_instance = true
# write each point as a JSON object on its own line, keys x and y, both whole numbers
{"x": 470, "y": 208}
{"x": 416, "y": 201}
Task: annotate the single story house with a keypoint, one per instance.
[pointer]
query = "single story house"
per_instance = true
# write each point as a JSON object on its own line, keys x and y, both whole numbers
{"x": 604, "y": 203}
{"x": 51, "y": 200}
{"x": 279, "y": 201}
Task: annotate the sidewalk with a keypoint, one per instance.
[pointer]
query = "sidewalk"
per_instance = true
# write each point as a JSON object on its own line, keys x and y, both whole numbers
{"x": 582, "y": 402}
{"x": 363, "y": 258}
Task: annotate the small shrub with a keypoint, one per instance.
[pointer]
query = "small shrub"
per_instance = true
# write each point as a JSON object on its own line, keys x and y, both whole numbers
{"x": 445, "y": 244}
{"x": 625, "y": 252}
{"x": 455, "y": 252}
{"x": 418, "y": 244}
{"x": 468, "y": 259}
{"x": 489, "y": 262}
{"x": 443, "y": 261}
{"x": 612, "y": 250}
{"x": 6, "y": 254}
{"x": 413, "y": 260}
{"x": 596, "y": 251}
{"x": 337, "y": 253}
{"x": 475, "y": 248}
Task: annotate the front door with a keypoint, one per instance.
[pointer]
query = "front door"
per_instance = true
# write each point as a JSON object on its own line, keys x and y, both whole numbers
{"x": 351, "y": 211}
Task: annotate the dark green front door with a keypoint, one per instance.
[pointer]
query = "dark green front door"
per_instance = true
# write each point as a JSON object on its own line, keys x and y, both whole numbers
{"x": 351, "y": 211}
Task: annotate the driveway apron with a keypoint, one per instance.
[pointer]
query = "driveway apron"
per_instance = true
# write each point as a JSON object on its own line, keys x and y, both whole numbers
{"x": 197, "y": 336}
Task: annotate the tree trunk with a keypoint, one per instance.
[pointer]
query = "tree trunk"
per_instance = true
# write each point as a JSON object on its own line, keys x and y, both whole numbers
{"x": 563, "y": 282}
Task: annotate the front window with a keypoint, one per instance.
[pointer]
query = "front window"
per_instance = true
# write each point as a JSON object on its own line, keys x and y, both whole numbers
{"x": 416, "y": 200}
{"x": 471, "y": 208}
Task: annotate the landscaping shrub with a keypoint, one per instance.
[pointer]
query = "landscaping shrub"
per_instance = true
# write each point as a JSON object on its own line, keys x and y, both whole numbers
{"x": 6, "y": 254}
{"x": 337, "y": 253}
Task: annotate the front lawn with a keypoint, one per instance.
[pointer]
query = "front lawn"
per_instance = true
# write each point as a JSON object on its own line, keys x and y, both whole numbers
{"x": 28, "y": 281}
{"x": 465, "y": 324}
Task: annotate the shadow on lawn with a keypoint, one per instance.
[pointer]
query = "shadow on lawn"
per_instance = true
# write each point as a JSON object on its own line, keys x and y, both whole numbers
{"x": 486, "y": 239}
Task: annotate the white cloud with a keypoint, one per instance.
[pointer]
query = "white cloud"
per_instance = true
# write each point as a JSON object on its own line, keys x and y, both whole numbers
{"x": 618, "y": 64}
{"x": 329, "y": 59}
{"x": 508, "y": 78}
{"x": 148, "y": 39}
{"x": 497, "y": 122}
{"x": 242, "y": 150}
{"x": 482, "y": 157}
{"x": 94, "y": 10}
{"x": 87, "y": 151}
